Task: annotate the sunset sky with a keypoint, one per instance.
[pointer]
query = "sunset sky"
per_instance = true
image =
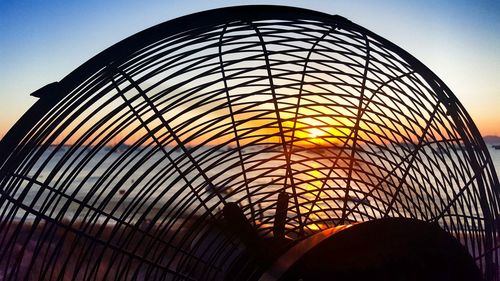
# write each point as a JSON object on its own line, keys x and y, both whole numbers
{"x": 42, "y": 41}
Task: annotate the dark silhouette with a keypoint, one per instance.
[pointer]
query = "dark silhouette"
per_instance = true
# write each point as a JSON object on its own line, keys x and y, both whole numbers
{"x": 209, "y": 147}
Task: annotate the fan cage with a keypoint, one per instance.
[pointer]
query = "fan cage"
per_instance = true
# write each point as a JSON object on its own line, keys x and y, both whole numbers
{"x": 131, "y": 157}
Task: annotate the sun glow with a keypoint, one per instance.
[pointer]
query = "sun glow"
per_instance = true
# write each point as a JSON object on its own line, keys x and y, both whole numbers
{"x": 316, "y": 133}
{"x": 313, "y": 131}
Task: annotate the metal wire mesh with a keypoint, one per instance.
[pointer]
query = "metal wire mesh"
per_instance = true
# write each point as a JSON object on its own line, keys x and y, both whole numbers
{"x": 121, "y": 169}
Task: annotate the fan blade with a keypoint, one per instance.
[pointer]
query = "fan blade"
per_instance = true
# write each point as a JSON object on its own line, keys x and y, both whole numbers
{"x": 240, "y": 225}
{"x": 280, "y": 215}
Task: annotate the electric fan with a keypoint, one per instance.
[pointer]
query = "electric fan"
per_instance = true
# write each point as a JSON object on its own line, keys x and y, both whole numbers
{"x": 248, "y": 143}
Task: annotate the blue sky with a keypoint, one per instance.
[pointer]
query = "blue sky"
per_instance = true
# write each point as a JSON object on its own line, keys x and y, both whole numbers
{"x": 42, "y": 41}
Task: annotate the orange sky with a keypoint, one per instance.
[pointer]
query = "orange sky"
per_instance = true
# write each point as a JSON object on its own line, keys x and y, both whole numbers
{"x": 42, "y": 42}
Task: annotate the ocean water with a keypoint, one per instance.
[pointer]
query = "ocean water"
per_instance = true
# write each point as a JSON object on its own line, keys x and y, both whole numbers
{"x": 495, "y": 156}
{"x": 108, "y": 190}
{"x": 104, "y": 185}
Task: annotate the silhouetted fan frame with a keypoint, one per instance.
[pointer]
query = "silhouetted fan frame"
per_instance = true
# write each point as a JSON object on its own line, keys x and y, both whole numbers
{"x": 123, "y": 168}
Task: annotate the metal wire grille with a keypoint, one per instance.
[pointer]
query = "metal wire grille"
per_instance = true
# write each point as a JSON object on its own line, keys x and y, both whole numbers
{"x": 120, "y": 170}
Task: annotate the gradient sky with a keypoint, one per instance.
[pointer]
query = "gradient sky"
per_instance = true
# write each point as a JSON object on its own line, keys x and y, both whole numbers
{"x": 42, "y": 41}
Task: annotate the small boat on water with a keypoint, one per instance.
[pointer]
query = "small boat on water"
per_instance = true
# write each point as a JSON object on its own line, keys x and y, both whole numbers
{"x": 496, "y": 146}
{"x": 355, "y": 199}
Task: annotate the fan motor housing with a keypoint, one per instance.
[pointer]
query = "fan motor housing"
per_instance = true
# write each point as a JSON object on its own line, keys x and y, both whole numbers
{"x": 385, "y": 249}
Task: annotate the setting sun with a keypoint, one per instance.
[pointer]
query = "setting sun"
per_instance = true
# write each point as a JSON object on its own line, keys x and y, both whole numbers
{"x": 315, "y": 133}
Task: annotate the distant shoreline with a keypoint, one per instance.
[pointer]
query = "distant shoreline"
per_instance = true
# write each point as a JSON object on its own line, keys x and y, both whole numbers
{"x": 491, "y": 139}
